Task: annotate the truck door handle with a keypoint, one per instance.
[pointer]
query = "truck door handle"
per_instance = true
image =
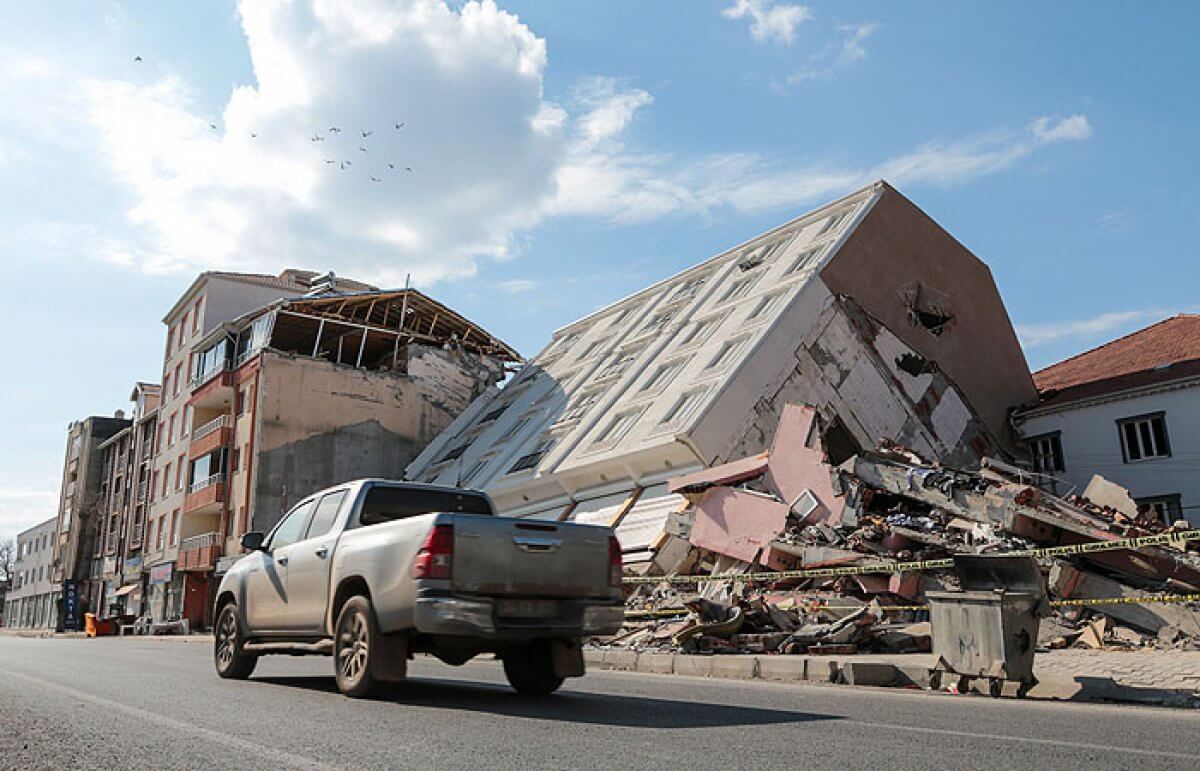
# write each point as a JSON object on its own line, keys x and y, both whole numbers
{"x": 282, "y": 560}
{"x": 534, "y": 543}
{"x": 322, "y": 552}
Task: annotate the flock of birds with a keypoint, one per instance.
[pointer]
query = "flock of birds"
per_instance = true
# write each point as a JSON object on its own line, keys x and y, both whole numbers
{"x": 343, "y": 165}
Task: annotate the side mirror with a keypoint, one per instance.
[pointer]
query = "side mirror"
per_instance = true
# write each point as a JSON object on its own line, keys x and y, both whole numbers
{"x": 253, "y": 541}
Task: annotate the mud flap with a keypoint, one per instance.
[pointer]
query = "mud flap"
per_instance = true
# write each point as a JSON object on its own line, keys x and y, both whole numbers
{"x": 390, "y": 664}
{"x": 567, "y": 656}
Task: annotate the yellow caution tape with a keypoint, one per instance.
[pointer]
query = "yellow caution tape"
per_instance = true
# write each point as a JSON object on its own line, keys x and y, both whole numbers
{"x": 1137, "y": 600}
{"x": 900, "y": 567}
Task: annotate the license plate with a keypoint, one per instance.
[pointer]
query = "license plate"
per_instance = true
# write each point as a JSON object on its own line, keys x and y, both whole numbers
{"x": 526, "y": 608}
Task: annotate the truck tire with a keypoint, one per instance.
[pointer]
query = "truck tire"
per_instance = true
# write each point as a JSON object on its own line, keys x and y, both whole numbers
{"x": 530, "y": 670}
{"x": 356, "y": 639}
{"x": 230, "y": 658}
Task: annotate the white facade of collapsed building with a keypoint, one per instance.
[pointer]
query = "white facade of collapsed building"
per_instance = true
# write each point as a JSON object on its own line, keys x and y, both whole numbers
{"x": 864, "y": 308}
{"x": 32, "y": 603}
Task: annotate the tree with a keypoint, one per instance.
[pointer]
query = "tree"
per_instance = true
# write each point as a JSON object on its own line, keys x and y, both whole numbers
{"x": 8, "y": 555}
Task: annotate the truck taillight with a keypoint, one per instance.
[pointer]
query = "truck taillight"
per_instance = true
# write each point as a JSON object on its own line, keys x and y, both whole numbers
{"x": 614, "y": 561}
{"x": 436, "y": 554}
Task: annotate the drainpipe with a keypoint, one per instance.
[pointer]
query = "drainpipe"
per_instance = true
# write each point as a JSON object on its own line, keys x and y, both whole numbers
{"x": 250, "y": 445}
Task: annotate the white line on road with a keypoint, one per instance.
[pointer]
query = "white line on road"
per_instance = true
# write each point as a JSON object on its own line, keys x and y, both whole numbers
{"x": 1022, "y": 739}
{"x": 259, "y": 751}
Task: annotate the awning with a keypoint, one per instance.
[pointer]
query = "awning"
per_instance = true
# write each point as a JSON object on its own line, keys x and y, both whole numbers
{"x": 124, "y": 590}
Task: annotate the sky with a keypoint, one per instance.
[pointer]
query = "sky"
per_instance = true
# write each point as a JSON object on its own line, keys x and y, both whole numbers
{"x": 547, "y": 158}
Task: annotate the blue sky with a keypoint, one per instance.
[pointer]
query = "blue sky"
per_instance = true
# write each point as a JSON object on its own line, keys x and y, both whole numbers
{"x": 563, "y": 155}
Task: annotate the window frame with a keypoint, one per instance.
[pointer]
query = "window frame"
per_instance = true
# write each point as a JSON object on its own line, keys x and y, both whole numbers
{"x": 1135, "y": 421}
{"x": 1056, "y": 452}
{"x": 340, "y": 494}
{"x": 1172, "y": 502}
{"x": 310, "y": 502}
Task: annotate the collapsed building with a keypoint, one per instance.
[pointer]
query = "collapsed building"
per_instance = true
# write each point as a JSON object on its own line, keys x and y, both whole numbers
{"x": 864, "y": 308}
{"x": 785, "y": 552}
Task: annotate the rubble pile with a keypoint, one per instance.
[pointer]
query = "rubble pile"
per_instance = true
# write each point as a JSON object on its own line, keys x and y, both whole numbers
{"x": 789, "y": 509}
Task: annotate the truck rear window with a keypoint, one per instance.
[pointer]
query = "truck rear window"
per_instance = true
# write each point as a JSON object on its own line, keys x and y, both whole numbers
{"x": 384, "y": 504}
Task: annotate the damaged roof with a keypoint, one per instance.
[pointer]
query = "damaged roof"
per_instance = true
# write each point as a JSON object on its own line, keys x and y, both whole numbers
{"x": 1160, "y": 352}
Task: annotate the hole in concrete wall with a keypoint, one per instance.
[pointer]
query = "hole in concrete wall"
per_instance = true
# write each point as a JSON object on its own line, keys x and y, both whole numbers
{"x": 928, "y": 309}
{"x": 840, "y": 444}
{"x": 915, "y": 364}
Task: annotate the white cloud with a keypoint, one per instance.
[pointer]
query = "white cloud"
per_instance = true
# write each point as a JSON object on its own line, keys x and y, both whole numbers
{"x": 834, "y": 57}
{"x": 623, "y": 185}
{"x": 1070, "y": 129}
{"x": 482, "y": 144}
{"x": 518, "y": 285}
{"x": 770, "y": 21}
{"x": 21, "y": 508}
{"x": 1033, "y": 335}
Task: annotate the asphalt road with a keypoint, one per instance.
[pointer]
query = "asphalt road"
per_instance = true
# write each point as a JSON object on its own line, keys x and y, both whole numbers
{"x": 67, "y": 703}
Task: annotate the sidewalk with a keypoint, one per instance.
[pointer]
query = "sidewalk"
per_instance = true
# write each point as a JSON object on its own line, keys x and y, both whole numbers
{"x": 195, "y": 637}
{"x": 1167, "y": 678}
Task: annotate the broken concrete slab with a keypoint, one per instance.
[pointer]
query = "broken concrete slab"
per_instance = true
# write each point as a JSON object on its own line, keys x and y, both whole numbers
{"x": 1102, "y": 492}
{"x": 1071, "y": 583}
{"x": 797, "y": 469}
{"x": 737, "y": 523}
{"x": 726, "y": 474}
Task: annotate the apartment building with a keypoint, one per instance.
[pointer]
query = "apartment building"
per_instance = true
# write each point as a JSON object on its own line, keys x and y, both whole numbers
{"x": 213, "y": 299}
{"x": 79, "y": 509}
{"x": 1128, "y": 410}
{"x": 864, "y": 308}
{"x": 311, "y": 391}
{"x": 32, "y": 600}
{"x": 126, "y": 459}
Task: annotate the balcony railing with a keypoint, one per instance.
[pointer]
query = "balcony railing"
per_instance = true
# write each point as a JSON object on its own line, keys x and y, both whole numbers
{"x": 208, "y": 481}
{"x": 199, "y": 552}
{"x": 203, "y": 377}
{"x": 215, "y": 424}
{"x": 200, "y": 541}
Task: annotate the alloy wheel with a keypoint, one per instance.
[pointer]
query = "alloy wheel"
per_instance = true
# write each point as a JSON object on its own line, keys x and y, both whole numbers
{"x": 352, "y": 647}
{"x": 226, "y": 639}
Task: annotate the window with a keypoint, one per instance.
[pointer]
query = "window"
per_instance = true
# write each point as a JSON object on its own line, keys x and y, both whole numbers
{"x": 196, "y": 316}
{"x": 803, "y": 260}
{"x": 739, "y": 288}
{"x": 175, "y": 528}
{"x": 728, "y": 352}
{"x": 577, "y": 407}
{"x": 166, "y": 480}
{"x": 171, "y": 431}
{"x": 530, "y": 459}
{"x": 170, "y": 339}
{"x": 663, "y": 376}
{"x": 186, "y": 426}
{"x": 836, "y": 219}
{"x": 488, "y": 418}
{"x": 474, "y": 470}
{"x": 702, "y": 331}
{"x": 591, "y": 349}
{"x": 326, "y": 511}
{"x": 765, "y": 306}
{"x": 689, "y": 287}
{"x": 234, "y": 457}
{"x": 684, "y": 408}
{"x": 166, "y": 389}
{"x": 162, "y": 526}
{"x": 616, "y": 430}
{"x": 1047, "y": 453}
{"x": 618, "y": 365}
{"x": 178, "y": 377}
{"x": 455, "y": 453}
{"x": 1168, "y": 508}
{"x": 385, "y": 504}
{"x": 1144, "y": 437}
{"x": 514, "y": 429}
{"x": 293, "y": 525}
{"x": 183, "y": 324}
{"x": 181, "y": 463}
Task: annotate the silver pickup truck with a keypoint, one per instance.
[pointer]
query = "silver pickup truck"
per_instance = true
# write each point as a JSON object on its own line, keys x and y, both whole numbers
{"x": 374, "y": 571}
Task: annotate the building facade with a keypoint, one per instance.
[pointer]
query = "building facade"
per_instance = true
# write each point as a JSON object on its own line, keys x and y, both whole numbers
{"x": 1129, "y": 411}
{"x": 312, "y": 391}
{"x": 125, "y": 460}
{"x": 76, "y": 558}
{"x": 32, "y": 600}
{"x": 864, "y": 308}
{"x": 213, "y": 299}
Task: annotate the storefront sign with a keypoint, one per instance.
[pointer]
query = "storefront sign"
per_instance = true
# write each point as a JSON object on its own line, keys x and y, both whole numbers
{"x": 161, "y": 574}
{"x": 133, "y": 565}
{"x": 70, "y": 605}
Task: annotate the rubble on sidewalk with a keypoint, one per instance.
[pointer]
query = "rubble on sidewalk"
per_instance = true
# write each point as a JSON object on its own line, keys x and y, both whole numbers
{"x": 789, "y": 509}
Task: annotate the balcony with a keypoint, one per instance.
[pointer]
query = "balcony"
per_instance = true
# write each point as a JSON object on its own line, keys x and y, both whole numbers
{"x": 199, "y": 552}
{"x": 205, "y": 494}
{"x": 208, "y": 437}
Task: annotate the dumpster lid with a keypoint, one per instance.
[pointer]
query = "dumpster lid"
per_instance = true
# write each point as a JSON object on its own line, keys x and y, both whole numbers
{"x": 985, "y": 572}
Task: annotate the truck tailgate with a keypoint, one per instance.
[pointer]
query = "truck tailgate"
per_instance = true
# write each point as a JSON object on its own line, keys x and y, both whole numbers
{"x": 500, "y": 556}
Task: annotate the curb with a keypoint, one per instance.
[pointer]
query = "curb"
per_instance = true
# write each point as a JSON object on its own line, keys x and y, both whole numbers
{"x": 862, "y": 671}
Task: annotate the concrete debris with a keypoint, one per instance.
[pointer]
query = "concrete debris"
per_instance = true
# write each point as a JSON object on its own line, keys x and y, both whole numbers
{"x": 791, "y": 509}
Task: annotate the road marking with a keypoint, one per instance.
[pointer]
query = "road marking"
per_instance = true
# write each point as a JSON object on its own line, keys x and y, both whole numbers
{"x": 259, "y": 751}
{"x": 1023, "y": 739}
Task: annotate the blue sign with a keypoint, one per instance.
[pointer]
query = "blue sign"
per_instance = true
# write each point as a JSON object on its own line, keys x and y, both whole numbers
{"x": 70, "y": 605}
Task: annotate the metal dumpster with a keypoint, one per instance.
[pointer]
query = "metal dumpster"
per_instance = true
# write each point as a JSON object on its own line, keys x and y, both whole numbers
{"x": 989, "y": 630}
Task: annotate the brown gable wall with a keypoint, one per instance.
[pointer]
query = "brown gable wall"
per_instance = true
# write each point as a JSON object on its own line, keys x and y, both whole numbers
{"x": 898, "y": 250}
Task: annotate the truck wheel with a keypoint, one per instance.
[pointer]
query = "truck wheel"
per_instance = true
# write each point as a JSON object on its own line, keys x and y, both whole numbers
{"x": 231, "y": 660}
{"x": 356, "y": 639}
{"x": 530, "y": 670}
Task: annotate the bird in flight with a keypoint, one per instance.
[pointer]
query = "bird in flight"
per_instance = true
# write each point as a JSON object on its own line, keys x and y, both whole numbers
{"x": 362, "y": 149}
{"x": 392, "y": 166}
{"x": 334, "y": 130}
{"x": 376, "y": 179}
{"x": 137, "y": 58}
{"x": 366, "y": 133}
{"x": 408, "y": 168}
{"x": 345, "y": 165}
{"x": 212, "y": 126}
{"x": 399, "y": 126}
{"x": 328, "y": 160}
{"x": 253, "y": 134}
{"x": 317, "y": 138}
